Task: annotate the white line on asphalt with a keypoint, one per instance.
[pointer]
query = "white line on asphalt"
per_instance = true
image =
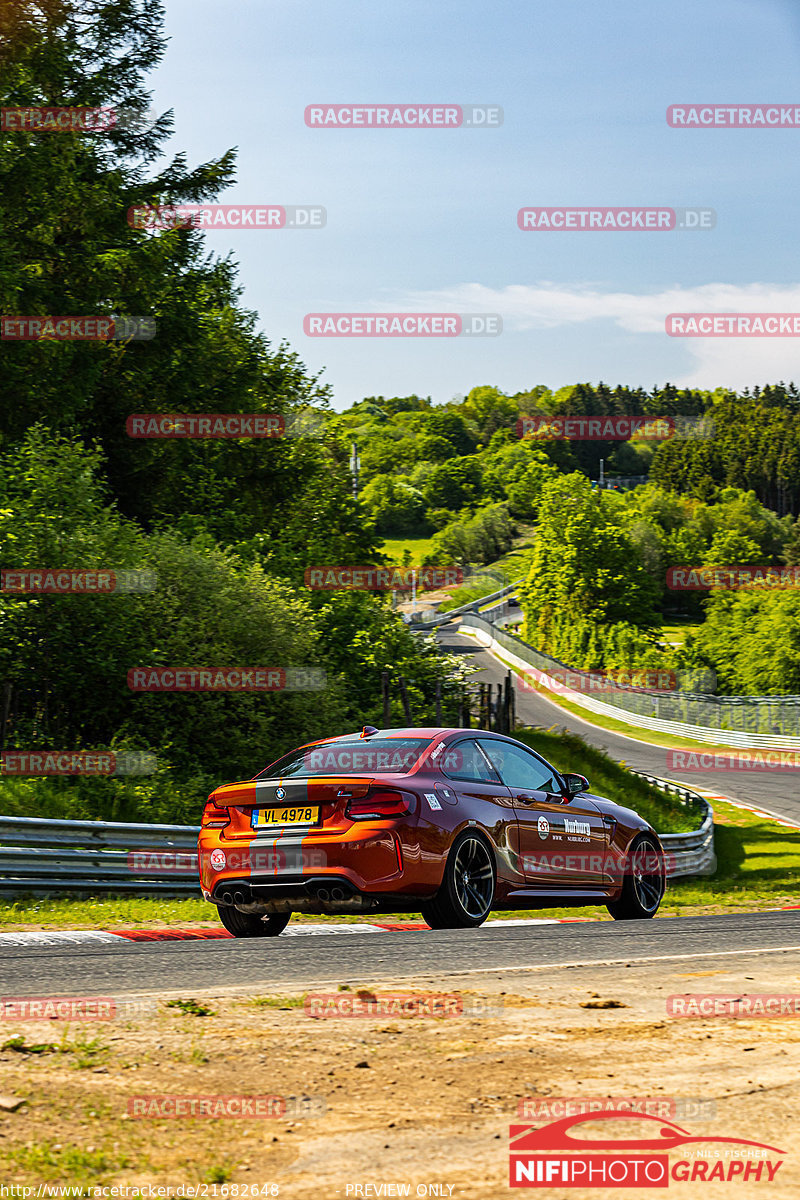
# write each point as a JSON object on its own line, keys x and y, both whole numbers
{"x": 58, "y": 937}
{"x": 294, "y": 930}
{"x": 612, "y": 962}
{"x": 456, "y": 973}
{"x": 77, "y": 937}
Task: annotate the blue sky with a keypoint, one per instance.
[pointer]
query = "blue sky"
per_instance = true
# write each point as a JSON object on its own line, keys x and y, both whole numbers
{"x": 425, "y": 220}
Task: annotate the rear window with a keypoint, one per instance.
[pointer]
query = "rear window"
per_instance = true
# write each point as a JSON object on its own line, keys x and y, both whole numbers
{"x": 395, "y": 755}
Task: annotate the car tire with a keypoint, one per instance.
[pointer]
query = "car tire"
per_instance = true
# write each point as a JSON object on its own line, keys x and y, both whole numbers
{"x": 643, "y": 883}
{"x": 466, "y": 895}
{"x": 243, "y": 925}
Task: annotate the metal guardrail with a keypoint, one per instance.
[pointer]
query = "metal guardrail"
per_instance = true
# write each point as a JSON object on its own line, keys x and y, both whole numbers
{"x": 621, "y": 481}
{"x": 471, "y": 607}
{"x": 40, "y": 856}
{"x": 687, "y": 853}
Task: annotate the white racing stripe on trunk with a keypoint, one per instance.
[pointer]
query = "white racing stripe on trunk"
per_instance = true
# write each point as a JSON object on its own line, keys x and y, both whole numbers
{"x": 58, "y": 937}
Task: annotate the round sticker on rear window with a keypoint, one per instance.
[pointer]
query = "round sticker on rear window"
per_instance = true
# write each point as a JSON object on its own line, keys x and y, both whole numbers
{"x": 218, "y": 859}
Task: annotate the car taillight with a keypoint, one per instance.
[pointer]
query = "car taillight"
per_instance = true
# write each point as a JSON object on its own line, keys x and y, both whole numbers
{"x": 378, "y": 805}
{"x": 215, "y": 817}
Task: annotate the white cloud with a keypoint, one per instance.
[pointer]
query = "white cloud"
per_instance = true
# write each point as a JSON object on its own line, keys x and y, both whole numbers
{"x": 728, "y": 362}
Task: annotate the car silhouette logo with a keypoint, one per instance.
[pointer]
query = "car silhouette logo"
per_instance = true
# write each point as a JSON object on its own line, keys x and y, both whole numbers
{"x": 556, "y": 1135}
{"x": 543, "y": 825}
{"x": 280, "y": 793}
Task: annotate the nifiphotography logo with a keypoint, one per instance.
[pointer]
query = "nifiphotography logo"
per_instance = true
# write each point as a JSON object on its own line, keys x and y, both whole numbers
{"x": 550, "y": 1156}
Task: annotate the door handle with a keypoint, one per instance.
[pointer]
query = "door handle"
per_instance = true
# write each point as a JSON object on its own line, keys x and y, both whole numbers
{"x": 527, "y": 799}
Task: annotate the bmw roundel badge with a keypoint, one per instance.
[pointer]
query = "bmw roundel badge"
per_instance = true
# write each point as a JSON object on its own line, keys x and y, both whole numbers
{"x": 280, "y": 793}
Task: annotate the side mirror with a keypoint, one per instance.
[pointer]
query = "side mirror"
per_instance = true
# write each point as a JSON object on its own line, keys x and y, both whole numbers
{"x": 576, "y": 784}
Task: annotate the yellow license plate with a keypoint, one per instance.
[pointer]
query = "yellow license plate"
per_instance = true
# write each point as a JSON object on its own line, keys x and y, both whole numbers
{"x": 270, "y": 818}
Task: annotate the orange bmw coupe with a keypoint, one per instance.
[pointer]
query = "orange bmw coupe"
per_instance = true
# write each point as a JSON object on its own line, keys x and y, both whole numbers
{"x": 449, "y": 822}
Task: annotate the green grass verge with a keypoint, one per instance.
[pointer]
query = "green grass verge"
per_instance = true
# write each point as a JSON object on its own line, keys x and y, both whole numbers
{"x": 483, "y": 581}
{"x": 758, "y": 864}
{"x": 676, "y": 634}
{"x": 417, "y": 547}
{"x": 51, "y": 912}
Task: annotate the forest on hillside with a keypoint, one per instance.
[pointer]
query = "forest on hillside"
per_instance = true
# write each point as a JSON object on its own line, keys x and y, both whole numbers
{"x": 229, "y": 527}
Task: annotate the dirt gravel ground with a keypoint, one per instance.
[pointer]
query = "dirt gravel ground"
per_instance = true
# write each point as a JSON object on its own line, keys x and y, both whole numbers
{"x": 381, "y": 1104}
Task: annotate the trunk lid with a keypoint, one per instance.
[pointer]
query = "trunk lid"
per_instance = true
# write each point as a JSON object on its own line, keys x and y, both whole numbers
{"x": 326, "y": 796}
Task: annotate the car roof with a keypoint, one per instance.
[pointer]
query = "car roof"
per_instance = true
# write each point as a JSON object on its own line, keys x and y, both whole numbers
{"x": 428, "y": 732}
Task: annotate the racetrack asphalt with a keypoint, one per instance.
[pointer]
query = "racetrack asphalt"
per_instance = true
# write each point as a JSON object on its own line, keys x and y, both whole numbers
{"x": 773, "y": 791}
{"x": 482, "y": 955}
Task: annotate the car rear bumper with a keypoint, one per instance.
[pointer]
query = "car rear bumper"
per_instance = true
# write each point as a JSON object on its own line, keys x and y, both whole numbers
{"x": 374, "y": 866}
{"x": 330, "y": 894}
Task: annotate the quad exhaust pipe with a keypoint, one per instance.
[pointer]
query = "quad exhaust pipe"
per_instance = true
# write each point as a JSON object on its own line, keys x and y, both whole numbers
{"x": 335, "y": 893}
{"x": 322, "y": 894}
